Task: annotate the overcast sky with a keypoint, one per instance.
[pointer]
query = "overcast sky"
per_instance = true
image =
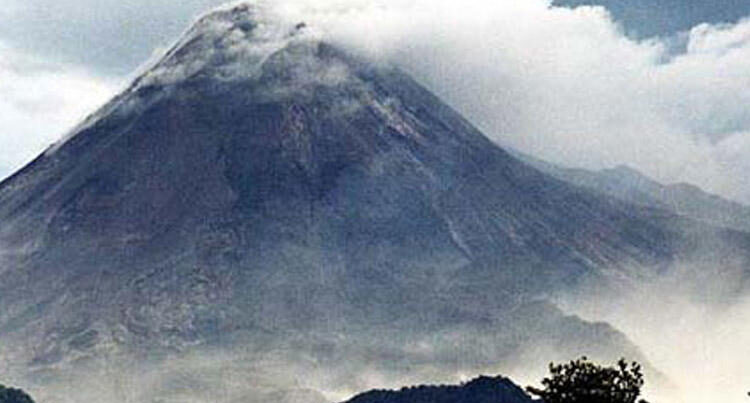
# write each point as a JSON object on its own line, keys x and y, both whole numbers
{"x": 661, "y": 85}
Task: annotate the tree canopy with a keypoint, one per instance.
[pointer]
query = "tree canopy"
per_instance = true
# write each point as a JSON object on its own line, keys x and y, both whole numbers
{"x": 11, "y": 395}
{"x": 582, "y": 381}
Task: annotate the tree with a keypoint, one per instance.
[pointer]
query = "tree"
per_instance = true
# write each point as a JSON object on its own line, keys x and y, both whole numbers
{"x": 582, "y": 381}
{"x": 10, "y": 395}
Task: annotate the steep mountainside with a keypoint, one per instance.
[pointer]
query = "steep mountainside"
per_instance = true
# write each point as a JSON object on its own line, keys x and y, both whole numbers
{"x": 261, "y": 186}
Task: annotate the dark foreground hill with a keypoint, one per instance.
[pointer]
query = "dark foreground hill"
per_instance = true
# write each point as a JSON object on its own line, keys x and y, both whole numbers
{"x": 480, "y": 390}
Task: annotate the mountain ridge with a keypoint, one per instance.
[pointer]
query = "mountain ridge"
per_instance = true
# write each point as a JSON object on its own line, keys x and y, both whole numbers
{"x": 315, "y": 202}
{"x": 632, "y": 186}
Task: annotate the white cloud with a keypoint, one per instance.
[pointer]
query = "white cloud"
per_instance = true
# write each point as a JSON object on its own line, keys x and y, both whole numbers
{"x": 696, "y": 338}
{"x": 38, "y": 101}
{"x": 568, "y": 85}
{"x": 707, "y": 38}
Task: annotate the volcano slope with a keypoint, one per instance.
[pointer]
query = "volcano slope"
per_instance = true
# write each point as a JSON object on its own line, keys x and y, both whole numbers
{"x": 262, "y": 187}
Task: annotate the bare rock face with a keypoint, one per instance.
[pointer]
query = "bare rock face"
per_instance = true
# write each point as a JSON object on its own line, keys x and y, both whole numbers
{"x": 259, "y": 184}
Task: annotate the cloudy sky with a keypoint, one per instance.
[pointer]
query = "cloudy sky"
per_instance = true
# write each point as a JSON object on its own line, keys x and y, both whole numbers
{"x": 661, "y": 85}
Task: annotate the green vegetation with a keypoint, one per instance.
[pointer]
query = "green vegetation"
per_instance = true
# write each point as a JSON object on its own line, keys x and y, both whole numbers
{"x": 582, "y": 381}
{"x": 10, "y": 395}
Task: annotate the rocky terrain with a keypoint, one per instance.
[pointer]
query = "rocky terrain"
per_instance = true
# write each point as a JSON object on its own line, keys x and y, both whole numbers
{"x": 260, "y": 188}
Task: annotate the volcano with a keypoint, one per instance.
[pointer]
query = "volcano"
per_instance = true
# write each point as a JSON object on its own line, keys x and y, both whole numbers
{"x": 261, "y": 184}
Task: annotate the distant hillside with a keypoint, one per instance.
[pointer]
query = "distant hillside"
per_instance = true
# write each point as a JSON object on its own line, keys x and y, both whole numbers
{"x": 629, "y": 185}
{"x": 481, "y": 390}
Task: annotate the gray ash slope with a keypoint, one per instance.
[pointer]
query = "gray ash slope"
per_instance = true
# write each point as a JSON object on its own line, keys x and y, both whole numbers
{"x": 260, "y": 180}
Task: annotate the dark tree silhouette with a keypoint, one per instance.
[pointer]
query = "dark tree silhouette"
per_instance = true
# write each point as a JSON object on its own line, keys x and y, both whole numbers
{"x": 480, "y": 390}
{"x": 582, "y": 381}
{"x": 10, "y": 395}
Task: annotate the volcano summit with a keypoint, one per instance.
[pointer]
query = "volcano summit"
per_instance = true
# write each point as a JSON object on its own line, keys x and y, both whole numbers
{"x": 262, "y": 187}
